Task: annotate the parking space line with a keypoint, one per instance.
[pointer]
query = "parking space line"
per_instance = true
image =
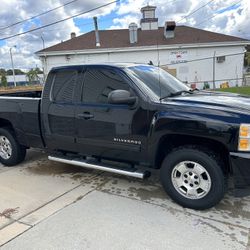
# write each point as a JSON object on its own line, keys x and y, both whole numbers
{"x": 188, "y": 212}
{"x": 52, "y": 207}
{"x": 11, "y": 231}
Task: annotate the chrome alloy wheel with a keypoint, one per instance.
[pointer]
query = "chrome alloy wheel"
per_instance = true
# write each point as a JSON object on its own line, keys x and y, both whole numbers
{"x": 191, "y": 180}
{"x": 5, "y": 148}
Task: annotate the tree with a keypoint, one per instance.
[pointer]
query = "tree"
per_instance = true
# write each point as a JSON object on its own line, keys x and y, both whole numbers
{"x": 206, "y": 85}
{"x": 2, "y": 72}
{"x": 32, "y": 75}
{"x": 247, "y": 57}
{"x": 9, "y": 72}
{"x": 19, "y": 72}
{"x": 4, "y": 82}
{"x": 39, "y": 71}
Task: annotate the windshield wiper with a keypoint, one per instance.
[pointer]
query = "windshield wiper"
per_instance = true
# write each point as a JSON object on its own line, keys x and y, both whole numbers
{"x": 177, "y": 93}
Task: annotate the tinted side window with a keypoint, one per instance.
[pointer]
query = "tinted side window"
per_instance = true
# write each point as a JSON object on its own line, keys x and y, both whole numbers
{"x": 63, "y": 86}
{"x": 48, "y": 85}
{"x": 98, "y": 83}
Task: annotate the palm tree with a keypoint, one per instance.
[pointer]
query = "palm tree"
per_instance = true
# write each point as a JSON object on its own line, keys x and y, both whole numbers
{"x": 32, "y": 75}
{"x": 4, "y": 82}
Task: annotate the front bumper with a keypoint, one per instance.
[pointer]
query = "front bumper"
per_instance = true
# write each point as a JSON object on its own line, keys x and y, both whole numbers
{"x": 241, "y": 172}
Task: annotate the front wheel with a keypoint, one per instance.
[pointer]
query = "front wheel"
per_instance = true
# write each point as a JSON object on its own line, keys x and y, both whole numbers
{"x": 193, "y": 177}
{"x": 11, "y": 152}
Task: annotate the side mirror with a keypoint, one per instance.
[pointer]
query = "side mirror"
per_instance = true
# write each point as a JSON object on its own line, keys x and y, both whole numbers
{"x": 120, "y": 96}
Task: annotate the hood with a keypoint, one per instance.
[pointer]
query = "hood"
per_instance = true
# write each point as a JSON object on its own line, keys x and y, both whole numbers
{"x": 213, "y": 100}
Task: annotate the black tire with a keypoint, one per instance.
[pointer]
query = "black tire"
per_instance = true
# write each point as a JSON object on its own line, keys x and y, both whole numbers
{"x": 213, "y": 167}
{"x": 18, "y": 151}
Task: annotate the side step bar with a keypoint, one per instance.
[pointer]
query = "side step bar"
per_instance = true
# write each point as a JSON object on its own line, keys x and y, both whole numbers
{"x": 92, "y": 165}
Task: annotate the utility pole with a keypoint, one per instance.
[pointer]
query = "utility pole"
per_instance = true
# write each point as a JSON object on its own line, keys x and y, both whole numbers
{"x": 43, "y": 42}
{"x": 214, "y": 70}
{"x": 12, "y": 64}
{"x": 44, "y": 62}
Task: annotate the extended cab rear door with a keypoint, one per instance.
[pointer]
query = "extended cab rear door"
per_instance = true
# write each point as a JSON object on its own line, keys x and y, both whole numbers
{"x": 109, "y": 130}
{"x": 58, "y": 108}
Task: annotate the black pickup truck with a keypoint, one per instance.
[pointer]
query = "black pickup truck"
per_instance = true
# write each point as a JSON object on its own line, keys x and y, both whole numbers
{"x": 121, "y": 116}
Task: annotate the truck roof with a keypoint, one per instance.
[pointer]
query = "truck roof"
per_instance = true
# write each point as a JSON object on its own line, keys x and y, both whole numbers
{"x": 115, "y": 65}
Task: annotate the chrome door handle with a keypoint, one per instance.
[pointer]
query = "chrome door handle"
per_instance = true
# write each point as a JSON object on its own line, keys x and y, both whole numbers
{"x": 85, "y": 115}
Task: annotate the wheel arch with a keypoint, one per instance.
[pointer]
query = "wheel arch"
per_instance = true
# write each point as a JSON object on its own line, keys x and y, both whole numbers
{"x": 169, "y": 142}
{"x": 6, "y": 123}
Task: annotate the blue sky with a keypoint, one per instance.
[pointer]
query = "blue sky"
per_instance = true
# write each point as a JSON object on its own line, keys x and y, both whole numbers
{"x": 104, "y": 22}
{"x": 230, "y": 8}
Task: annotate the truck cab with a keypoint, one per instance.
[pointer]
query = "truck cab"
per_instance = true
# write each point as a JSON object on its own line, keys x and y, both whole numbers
{"x": 79, "y": 117}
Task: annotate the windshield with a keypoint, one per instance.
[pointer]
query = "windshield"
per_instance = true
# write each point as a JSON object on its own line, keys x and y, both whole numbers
{"x": 157, "y": 82}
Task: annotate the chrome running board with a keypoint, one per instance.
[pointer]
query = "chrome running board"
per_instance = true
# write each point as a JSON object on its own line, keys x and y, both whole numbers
{"x": 103, "y": 167}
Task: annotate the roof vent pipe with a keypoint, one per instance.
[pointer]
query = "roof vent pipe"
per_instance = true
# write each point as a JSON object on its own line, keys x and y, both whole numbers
{"x": 169, "y": 29}
{"x": 97, "y": 38}
{"x": 133, "y": 33}
{"x": 72, "y": 35}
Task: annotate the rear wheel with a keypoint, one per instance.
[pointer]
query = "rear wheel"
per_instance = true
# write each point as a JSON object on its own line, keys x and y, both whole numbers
{"x": 193, "y": 177}
{"x": 11, "y": 152}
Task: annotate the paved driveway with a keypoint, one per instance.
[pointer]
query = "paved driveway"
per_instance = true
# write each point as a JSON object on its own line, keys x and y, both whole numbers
{"x": 46, "y": 205}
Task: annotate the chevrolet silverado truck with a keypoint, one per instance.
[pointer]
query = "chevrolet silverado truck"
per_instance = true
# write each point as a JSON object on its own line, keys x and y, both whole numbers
{"x": 120, "y": 116}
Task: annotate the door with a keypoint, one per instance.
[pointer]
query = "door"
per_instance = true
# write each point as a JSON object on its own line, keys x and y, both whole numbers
{"x": 104, "y": 129}
{"x": 59, "y": 112}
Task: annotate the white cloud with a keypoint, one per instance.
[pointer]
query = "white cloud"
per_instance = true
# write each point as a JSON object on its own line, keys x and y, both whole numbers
{"x": 130, "y": 7}
{"x": 15, "y": 10}
{"x": 230, "y": 21}
{"x": 123, "y": 23}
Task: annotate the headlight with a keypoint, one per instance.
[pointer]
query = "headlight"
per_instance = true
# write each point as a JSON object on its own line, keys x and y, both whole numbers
{"x": 244, "y": 137}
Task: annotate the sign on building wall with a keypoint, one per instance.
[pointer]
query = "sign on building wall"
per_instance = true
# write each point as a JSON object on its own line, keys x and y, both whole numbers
{"x": 178, "y": 56}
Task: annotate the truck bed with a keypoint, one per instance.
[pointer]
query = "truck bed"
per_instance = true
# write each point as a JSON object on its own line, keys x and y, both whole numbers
{"x": 22, "y": 110}
{"x": 31, "y": 94}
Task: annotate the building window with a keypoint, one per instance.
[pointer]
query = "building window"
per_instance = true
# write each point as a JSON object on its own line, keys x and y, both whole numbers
{"x": 220, "y": 59}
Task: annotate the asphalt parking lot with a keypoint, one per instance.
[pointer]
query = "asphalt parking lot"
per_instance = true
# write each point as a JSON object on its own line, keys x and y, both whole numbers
{"x": 47, "y": 205}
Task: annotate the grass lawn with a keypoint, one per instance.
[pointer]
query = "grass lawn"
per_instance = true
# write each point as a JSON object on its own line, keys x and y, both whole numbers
{"x": 239, "y": 90}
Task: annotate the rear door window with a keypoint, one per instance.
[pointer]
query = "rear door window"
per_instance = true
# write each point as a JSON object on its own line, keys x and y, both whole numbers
{"x": 63, "y": 86}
